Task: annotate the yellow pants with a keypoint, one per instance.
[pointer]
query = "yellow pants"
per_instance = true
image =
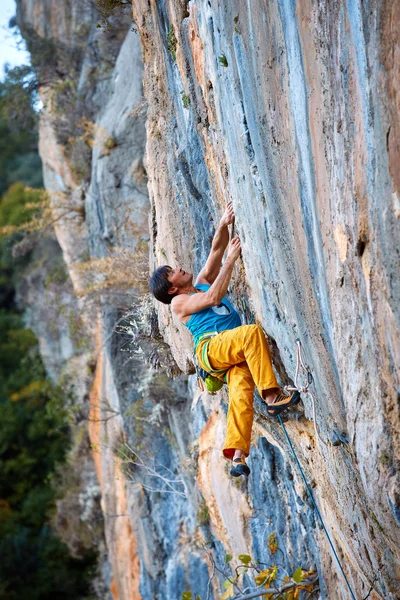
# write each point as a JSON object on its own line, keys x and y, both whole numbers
{"x": 244, "y": 352}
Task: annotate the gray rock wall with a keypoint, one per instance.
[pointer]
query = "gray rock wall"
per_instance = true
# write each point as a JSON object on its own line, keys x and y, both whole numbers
{"x": 289, "y": 118}
{"x": 289, "y": 110}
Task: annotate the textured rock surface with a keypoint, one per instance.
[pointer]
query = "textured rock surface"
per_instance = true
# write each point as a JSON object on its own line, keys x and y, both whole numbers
{"x": 295, "y": 127}
{"x": 290, "y": 110}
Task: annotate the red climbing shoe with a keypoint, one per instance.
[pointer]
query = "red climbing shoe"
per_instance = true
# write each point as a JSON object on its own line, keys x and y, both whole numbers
{"x": 239, "y": 467}
{"x": 282, "y": 402}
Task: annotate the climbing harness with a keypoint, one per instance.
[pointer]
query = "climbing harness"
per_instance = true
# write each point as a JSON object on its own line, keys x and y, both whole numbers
{"x": 304, "y": 389}
{"x": 212, "y": 383}
{"x": 207, "y": 378}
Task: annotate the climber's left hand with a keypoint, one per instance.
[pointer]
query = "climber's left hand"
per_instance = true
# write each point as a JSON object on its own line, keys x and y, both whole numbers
{"x": 228, "y": 217}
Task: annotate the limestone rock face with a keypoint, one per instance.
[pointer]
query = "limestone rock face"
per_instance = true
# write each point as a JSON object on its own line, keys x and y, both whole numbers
{"x": 290, "y": 111}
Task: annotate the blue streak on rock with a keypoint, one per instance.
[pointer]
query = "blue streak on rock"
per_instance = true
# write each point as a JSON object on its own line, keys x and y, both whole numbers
{"x": 307, "y": 185}
{"x": 355, "y": 20}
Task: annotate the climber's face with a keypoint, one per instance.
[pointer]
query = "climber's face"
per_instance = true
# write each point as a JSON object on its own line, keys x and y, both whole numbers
{"x": 179, "y": 278}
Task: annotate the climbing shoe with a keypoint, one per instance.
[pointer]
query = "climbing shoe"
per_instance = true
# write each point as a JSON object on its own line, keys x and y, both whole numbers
{"x": 282, "y": 402}
{"x": 239, "y": 467}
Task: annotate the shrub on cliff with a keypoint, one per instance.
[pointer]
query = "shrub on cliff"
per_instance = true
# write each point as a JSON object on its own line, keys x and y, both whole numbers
{"x": 107, "y": 10}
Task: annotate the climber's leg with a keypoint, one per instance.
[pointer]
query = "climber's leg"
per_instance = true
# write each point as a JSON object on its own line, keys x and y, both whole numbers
{"x": 245, "y": 344}
{"x": 248, "y": 344}
{"x": 240, "y": 410}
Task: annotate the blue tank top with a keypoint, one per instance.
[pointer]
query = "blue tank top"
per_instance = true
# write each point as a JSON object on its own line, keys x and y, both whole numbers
{"x": 214, "y": 318}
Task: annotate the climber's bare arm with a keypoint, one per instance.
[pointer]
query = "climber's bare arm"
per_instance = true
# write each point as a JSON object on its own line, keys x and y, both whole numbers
{"x": 184, "y": 305}
{"x": 210, "y": 271}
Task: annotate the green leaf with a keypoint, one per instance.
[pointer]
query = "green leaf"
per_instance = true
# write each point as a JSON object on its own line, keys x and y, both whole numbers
{"x": 266, "y": 577}
{"x": 272, "y": 542}
{"x": 226, "y": 584}
{"x": 229, "y": 592}
{"x": 198, "y": 598}
{"x": 187, "y": 596}
{"x": 298, "y": 575}
{"x": 228, "y": 558}
{"x": 244, "y": 558}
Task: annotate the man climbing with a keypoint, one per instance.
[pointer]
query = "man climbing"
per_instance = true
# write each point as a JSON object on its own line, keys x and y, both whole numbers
{"x": 238, "y": 354}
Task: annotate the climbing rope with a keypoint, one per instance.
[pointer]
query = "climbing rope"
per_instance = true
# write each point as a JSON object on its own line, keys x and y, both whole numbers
{"x": 316, "y": 507}
{"x": 300, "y": 362}
{"x": 305, "y": 389}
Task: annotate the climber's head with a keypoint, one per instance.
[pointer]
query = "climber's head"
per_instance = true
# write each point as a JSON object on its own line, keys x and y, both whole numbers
{"x": 166, "y": 283}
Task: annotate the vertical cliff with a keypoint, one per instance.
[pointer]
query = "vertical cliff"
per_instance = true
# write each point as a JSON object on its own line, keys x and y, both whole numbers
{"x": 91, "y": 144}
{"x": 290, "y": 111}
{"x": 284, "y": 108}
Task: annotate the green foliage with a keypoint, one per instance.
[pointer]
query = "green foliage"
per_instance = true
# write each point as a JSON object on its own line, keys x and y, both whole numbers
{"x": 28, "y": 169}
{"x": 40, "y": 568}
{"x": 172, "y": 42}
{"x": 298, "y": 575}
{"x": 228, "y": 558}
{"x": 57, "y": 276}
{"x": 223, "y": 60}
{"x": 19, "y": 159}
{"x": 110, "y": 143}
{"x": 34, "y": 431}
{"x": 272, "y": 542}
{"x": 34, "y": 440}
{"x": 203, "y": 515}
{"x": 384, "y": 459}
{"x": 63, "y": 96}
{"x": 18, "y": 93}
{"x": 229, "y": 589}
{"x": 189, "y": 596}
{"x": 185, "y": 99}
{"x": 47, "y": 58}
{"x": 271, "y": 584}
{"x": 17, "y": 206}
{"x": 106, "y": 9}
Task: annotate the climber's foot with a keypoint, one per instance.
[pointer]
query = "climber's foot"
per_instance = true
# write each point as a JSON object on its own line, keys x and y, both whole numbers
{"x": 239, "y": 467}
{"x": 282, "y": 402}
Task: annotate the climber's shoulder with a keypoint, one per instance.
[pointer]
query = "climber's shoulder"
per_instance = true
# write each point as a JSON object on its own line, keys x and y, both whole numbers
{"x": 184, "y": 305}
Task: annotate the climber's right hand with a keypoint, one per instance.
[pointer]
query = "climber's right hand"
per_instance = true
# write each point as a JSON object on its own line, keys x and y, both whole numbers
{"x": 234, "y": 248}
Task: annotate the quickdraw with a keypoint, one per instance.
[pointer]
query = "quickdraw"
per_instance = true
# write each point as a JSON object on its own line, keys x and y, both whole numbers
{"x": 300, "y": 362}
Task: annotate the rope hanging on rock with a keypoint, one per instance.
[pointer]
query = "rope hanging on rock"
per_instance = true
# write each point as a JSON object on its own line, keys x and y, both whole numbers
{"x": 305, "y": 389}
{"x": 316, "y": 508}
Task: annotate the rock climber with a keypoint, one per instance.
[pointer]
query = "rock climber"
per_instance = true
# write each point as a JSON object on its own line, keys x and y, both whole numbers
{"x": 238, "y": 354}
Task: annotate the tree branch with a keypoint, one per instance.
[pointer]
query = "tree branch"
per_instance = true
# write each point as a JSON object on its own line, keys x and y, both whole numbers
{"x": 285, "y": 588}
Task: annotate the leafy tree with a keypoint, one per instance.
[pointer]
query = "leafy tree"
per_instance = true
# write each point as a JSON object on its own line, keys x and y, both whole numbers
{"x": 40, "y": 568}
{"x": 19, "y": 158}
{"x": 34, "y": 439}
{"x": 34, "y": 429}
{"x": 17, "y": 206}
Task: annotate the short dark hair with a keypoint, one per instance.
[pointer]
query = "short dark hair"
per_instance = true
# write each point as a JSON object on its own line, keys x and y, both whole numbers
{"x": 159, "y": 285}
